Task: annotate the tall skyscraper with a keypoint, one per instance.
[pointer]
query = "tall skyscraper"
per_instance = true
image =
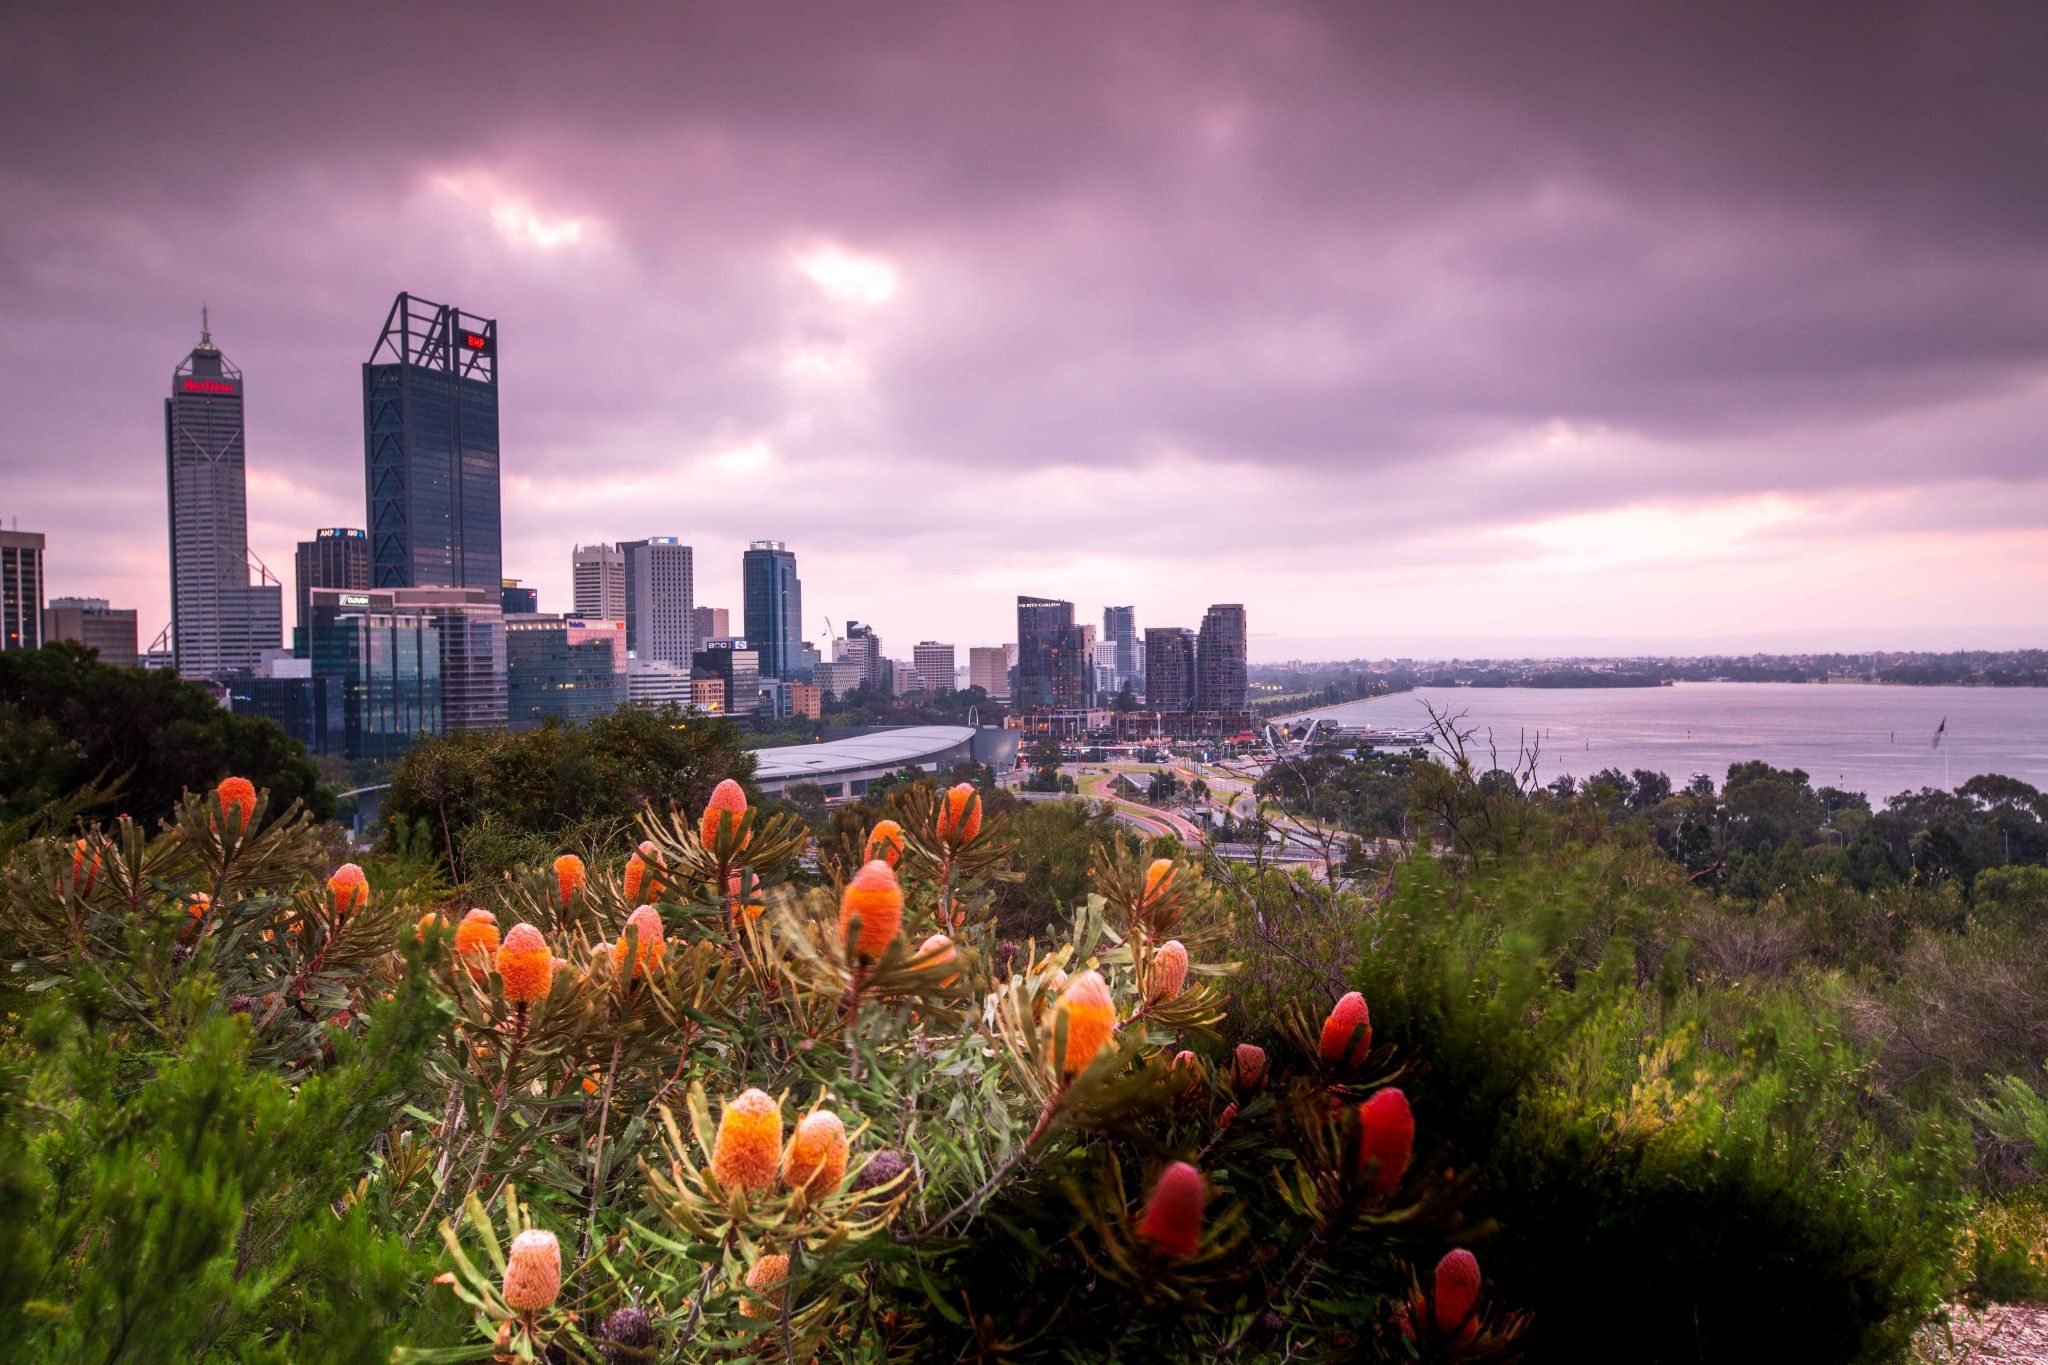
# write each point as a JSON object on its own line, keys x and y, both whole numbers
{"x": 710, "y": 623}
{"x": 1120, "y": 628}
{"x": 430, "y": 445}
{"x": 1169, "y": 669}
{"x": 660, "y": 593}
{"x": 90, "y": 621}
{"x": 773, "y": 610}
{"x": 336, "y": 557}
{"x": 220, "y": 622}
{"x": 988, "y": 668}
{"x": 934, "y": 664}
{"x": 600, "y": 581}
{"x": 21, "y": 589}
{"x": 1220, "y": 660}
{"x": 1041, "y": 623}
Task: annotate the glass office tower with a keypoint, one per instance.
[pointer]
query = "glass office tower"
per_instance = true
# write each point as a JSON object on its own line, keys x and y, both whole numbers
{"x": 774, "y": 607}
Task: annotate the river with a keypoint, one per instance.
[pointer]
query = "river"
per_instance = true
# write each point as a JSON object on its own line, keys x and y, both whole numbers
{"x": 1878, "y": 740}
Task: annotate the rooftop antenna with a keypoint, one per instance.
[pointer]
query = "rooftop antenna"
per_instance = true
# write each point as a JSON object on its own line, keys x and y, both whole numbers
{"x": 205, "y": 326}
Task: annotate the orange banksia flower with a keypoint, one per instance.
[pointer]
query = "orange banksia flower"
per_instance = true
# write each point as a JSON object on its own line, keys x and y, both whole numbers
{"x": 83, "y": 877}
{"x": 648, "y": 943}
{"x": 1169, "y": 970}
{"x": 1386, "y": 1140}
{"x": 751, "y": 907}
{"x": 569, "y": 877}
{"x": 1091, "y": 1016}
{"x": 1457, "y": 1291}
{"x": 943, "y": 946}
{"x": 237, "y": 793}
{"x": 1172, "y": 1221}
{"x": 873, "y": 898}
{"x": 728, "y": 803}
{"x": 748, "y": 1150}
{"x": 1349, "y": 1017}
{"x": 644, "y": 874}
{"x": 816, "y": 1160}
{"x": 533, "y": 1270}
{"x": 885, "y": 842}
{"x": 525, "y": 965}
{"x": 766, "y": 1279}
{"x": 1248, "y": 1067}
{"x": 348, "y": 890}
{"x": 476, "y": 940}
{"x": 1158, "y": 879}
{"x": 428, "y": 923}
{"x": 960, "y": 815}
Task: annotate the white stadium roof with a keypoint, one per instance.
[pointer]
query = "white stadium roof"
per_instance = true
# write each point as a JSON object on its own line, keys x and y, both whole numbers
{"x": 885, "y": 749}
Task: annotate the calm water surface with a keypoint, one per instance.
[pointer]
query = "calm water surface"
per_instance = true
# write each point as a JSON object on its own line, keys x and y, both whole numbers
{"x": 1873, "y": 739}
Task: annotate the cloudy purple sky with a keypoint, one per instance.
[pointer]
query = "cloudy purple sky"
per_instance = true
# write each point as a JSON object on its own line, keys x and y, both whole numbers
{"x": 1403, "y": 324}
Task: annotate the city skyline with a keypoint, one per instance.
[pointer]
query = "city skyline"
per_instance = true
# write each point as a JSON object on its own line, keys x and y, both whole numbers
{"x": 1768, "y": 347}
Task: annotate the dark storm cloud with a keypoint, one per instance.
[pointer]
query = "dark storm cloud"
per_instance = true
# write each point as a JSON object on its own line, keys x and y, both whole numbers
{"x": 1382, "y": 252}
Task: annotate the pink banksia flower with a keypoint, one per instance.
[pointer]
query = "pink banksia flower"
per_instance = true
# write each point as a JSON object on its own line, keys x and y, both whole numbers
{"x": 646, "y": 878}
{"x": 1248, "y": 1067}
{"x": 648, "y": 944}
{"x": 1457, "y": 1292}
{"x": 1172, "y": 1221}
{"x": 237, "y": 793}
{"x": 1386, "y": 1140}
{"x": 767, "y": 1279}
{"x": 1169, "y": 972}
{"x": 526, "y": 965}
{"x": 348, "y": 890}
{"x": 960, "y": 815}
{"x": 533, "y": 1272}
{"x": 1090, "y": 1015}
{"x": 816, "y": 1160}
{"x": 747, "y": 1153}
{"x": 875, "y": 900}
{"x": 885, "y": 841}
{"x": 727, "y": 805}
{"x": 569, "y": 877}
{"x": 1347, "y": 1033}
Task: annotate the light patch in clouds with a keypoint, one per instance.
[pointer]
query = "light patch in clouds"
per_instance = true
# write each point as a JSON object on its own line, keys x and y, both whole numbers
{"x": 847, "y": 276}
{"x": 520, "y": 225}
{"x": 754, "y": 457}
{"x": 1642, "y": 535}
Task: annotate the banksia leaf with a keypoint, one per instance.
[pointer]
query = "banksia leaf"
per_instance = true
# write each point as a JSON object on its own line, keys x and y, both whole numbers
{"x": 569, "y": 877}
{"x": 885, "y": 842}
{"x": 766, "y": 1279}
{"x": 1248, "y": 1067}
{"x": 1169, "y": 972}
{"x": 960, "y": 815}
{"x": 1457, "y": 1290}
{"x": 237, "y": 793}
{"x": 876, "y": 901}
{"x": 1386, "y": 1140}
{"x": 1172, "y": 1221}
{"x": 348, "y": 890}
{"x": 1347, "y": 1033}
{"x": 728, "y": 803}
{"x": 533, "y": 1270}
{"x": 648, "y": 943}
{"x": 1090, "y": 1016}
{"x": 817, "y": 1153}
{"x": 526, "y": 965}
{"x": 748, "y": 1150}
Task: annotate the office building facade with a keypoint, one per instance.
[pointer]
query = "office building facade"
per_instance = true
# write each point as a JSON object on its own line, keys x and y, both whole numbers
{"x": 1046, "y": 635}
{"x": 934, "y": 664}
{"x": 472, "y": 639}
{"x": 564, "y": 668}
{"x": 90, "y": 621}
{"x": 600, "y": 581}
{"x": 336, "y": 557}
{"x": 660, "y": 597}
{"x": 1169, "y": 670}
{"x": 1221, "y": 661}
{"x": 1120, "y": 630}
{"x": 220, "y": 622}
{"x": 21, "y": 589}
{"x": 710, "y": 623}
{"x": 772, "y": 611}
{"x": 738, "y": 671}
{"x": 377, "y": 670}
{"x": 515, "y": 600}
{"x": 988, "y": 668}
{"x": 430, "y": 449}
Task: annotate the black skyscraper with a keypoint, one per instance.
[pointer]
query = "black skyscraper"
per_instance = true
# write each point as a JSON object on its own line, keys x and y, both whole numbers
{"x": 773, "y": 609}
{"x": 1042, "y": 623}
{"x": 336, "y": 557}
{"x": 1220, "y": 661}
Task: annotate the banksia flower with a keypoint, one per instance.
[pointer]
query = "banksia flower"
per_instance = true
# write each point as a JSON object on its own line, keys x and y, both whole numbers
{"x": 1172, "y": 1221}
{"x": 728, "y": 803}
{"x": 1457, "y": 1291}
{"x": 1186, "y": 1072}
{"x": 533, "y": 1270}
{"x": 766, "y": 1279}
{"x": 477, "y": 936}
{"x": 1348, "y": 1018}
{"x": 1386, "y": 1140}
{"x": 885, "y": 841}
{"x": 648, "y": 943}
{"x": 1158, "y": 879}
{"x": 429, "y": 922}
{"x": 644, "y": 874}
{"x": 751, "y": 907}
{"x": 748, "y": 1150}
{"x": 569, "y": 877}
{"x": 883, "y": 1167}
{"x": 525, "y": 965}
{"x": 943, "y": 946}
{"x": 1169, "y": 971}
{"x": 960, "y": 815}
{"x": 816, "y": 1160}
{"x": 1090, "y": 1015}
{"x": 1248, "y": 1067}
{"x": 873, "y": 898}
{"x": 82, "y": 876}
{"x": 348, "y": 890}
{"x": 237, "y": 793}
{"x": 628, "y": 1336}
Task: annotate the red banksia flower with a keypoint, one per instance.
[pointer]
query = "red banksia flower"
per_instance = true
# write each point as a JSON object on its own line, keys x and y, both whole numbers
{"x": 885, "y": 841}
{"x": 83, "y": 877}
{"x": 1172, "y": 1222}
{"x": 1386, "y": 1140}
{"x": 1457, "y": 1290}
{"x": 648, "y": 943}
{"x": 766, "y": 1279}
{"x": 1248, "y": 1067}
{"x": 816, "y": 1160}
{"x": 747, "y": 1152}
{"x": 533, "y": 1270}
{"x": 1158, "y": 879}
{"x": 728, "y": 803}
{"x": 873, "y": 898}
{"x": 960, "y": 815}
{"x": 348, "y": 890}
{"x": 1187, "y": 1070}
{"x": 1348, "y": 1017}
{"x": 237, "y": 793}
{"x": 1169, "y": 971}
{"x": 569, "y": 876}
{"x": 644, "y": 880}
{"x": 882, "y": 1167}
{"x": 1091, "y": 1016}
{"x": 526, "y": 965}
{"x": 943, "y": 946}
